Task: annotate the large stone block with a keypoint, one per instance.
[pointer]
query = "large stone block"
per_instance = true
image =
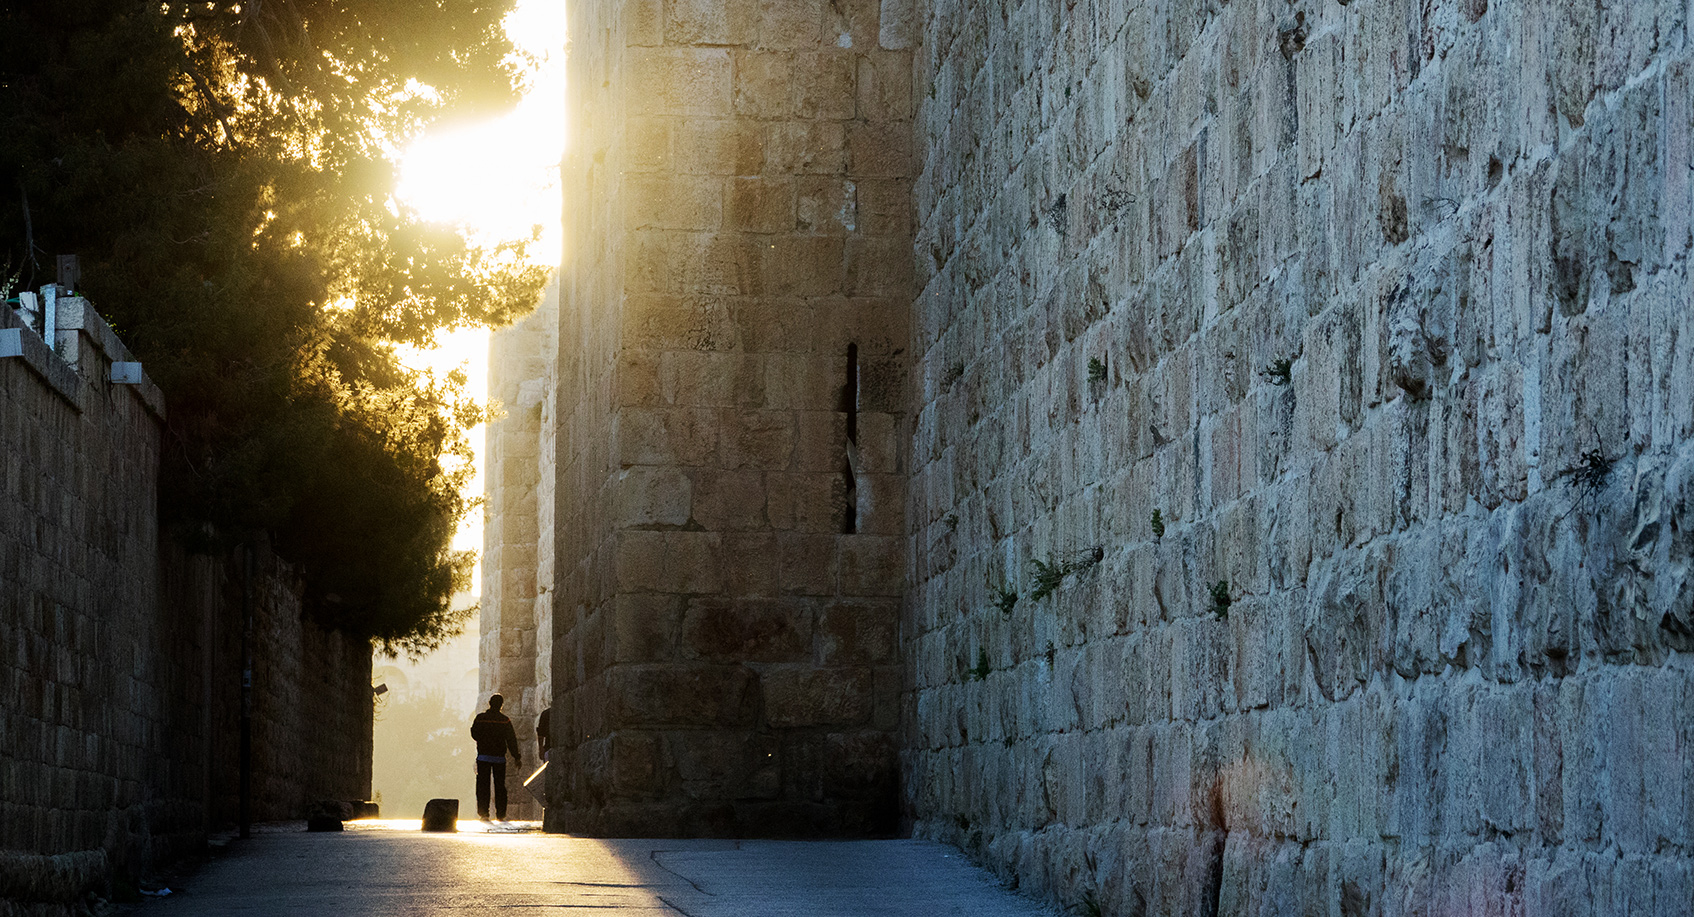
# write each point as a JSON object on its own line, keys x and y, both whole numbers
{"x": 807, "y": 696}
{"x": 646, "y": 627}
{"x": 729, "y": 500}
{"x": 826, "y": 204}
{"x": 872, "y": 565}
{"x": 729, "y": 380}
{"x": 653, "y": 496}
{"x": 790, "y": 23}
{"x": 635, "y": 764}
{"x": 815, "y": 503}
{"x": 688, "y": 696}
{"x": 757, "y": 564}
{"x": 879, "y": 150}
{"x": 760, "y": 204}
{"x": 666, "y": 437}
{"x": 719, "y": 146}
{"x": 762, "y": 440}
{"x": 669, "y": 201}
{"x": 820, "y": 441}
{"x": 672, "y": 322}
{"x": 824, "y": 84}
{"x": 808, "y": 563}
{"x": 804, "y": 265}
{"x": 858, "y": 633}
{"x": 711, "y": 22}
{"x": 807, "y": 148}
{"x": 748, "y": 630}
{"x": 718, "y": 765}
{"x": 680, "y": 81}
{"x": 684, "y": 562}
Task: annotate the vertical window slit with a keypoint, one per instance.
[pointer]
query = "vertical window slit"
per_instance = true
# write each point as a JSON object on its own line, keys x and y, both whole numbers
{"x": 850, "y": 460}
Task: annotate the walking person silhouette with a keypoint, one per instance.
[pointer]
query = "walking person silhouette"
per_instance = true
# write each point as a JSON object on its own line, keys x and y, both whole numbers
{"x": 494, "y": 736}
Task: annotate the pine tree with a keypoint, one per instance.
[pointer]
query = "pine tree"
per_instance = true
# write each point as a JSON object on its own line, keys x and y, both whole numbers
{"x": 225, "y": 173}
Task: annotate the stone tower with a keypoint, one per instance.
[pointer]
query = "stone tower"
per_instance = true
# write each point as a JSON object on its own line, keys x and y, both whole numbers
{"x": 516, "y": 600}
{"x": 729, "y": 383}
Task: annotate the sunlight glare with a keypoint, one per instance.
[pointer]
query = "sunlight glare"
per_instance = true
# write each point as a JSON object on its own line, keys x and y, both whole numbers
{"x": 499, "y": 180}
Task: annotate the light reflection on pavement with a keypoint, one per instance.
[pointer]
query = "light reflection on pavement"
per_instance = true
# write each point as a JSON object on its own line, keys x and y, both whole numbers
{"x": 466, "y": 826}
{"x": 390, "y": 867}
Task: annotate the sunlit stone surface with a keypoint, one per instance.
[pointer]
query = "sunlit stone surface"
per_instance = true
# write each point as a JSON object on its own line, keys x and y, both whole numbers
{"x": 1382, "y": 307}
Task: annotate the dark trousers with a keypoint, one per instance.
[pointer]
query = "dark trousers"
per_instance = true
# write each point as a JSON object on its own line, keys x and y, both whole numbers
{"x": 485, "y": 771}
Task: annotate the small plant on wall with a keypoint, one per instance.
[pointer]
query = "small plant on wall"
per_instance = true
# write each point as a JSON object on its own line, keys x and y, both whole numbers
{"x": 1589, "y": 476}
{"x": 1096, "y": 370}
{"x": 981, "y": 670}
{"x": 1050, "y": 574}
{"x": 1279, "y": 372}
{"x": 1005, "y": 599}
{"x": 1158, "y": 524}
{"x": 1219, "y": 594}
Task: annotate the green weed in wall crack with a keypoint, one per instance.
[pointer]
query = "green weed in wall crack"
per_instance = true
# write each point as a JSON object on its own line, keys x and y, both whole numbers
{"x": 1050, "y": 574}
{"x": 1047, "y": 577}
{"x": 1219, "y": 592}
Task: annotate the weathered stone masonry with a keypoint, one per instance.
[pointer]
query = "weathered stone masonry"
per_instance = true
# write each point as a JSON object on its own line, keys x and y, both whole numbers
{"x": 120, "y": 655}
{"x": 517, "y": 572}
{"x": 1383, "y": 307}
{"x": 730, "y": 397}
{"x": 1453, "y": 677}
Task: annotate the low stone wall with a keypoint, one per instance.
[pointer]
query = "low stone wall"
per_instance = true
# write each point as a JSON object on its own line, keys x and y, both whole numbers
{"x": 120, "y": 654}
{"x": 1383, "y": 308}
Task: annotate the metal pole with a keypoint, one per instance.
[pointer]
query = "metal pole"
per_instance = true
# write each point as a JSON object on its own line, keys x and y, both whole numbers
{"x": 247, "y": 696}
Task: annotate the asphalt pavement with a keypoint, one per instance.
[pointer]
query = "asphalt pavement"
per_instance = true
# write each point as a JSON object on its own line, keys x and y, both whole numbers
{"x": 391, "y": 868}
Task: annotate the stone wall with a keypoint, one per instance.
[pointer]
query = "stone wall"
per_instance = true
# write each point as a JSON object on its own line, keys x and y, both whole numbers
{"x": 517, "y": 609}
{"x": 121, "y": 654}
{"x": 1383, "y": 308}
{"x": 731, "y": 400}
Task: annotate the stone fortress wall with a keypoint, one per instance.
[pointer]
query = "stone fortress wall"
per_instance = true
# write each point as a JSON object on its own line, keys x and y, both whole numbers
{"x": 120, "y": 654}
{"x": 1452, "y": 528}
{"x": 516, "y": 607}
{"x": 1382, "y": 308}
{"x": 730, "y": 392}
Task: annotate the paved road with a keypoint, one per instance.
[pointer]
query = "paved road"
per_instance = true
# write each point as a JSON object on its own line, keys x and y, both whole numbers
{"x": 387, "y": 870}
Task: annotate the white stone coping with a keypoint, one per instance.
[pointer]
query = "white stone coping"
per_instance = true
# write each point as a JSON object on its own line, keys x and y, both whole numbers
{"x": 80, "y": 331}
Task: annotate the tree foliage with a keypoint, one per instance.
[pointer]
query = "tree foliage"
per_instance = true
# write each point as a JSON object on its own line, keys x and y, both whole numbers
{"x": 225, "y": 172}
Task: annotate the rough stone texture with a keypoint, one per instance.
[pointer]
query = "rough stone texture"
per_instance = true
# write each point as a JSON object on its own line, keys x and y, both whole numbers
{"x": 1453, "y": 674}
{"x": 1383, "y": 308}
{"x": 517, "y": 560}
{"x": 731, "y": 394}
{"x": 120, "y": 655}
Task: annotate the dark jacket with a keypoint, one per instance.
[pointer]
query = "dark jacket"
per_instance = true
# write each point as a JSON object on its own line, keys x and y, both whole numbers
{"x": 494, "y": 734}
